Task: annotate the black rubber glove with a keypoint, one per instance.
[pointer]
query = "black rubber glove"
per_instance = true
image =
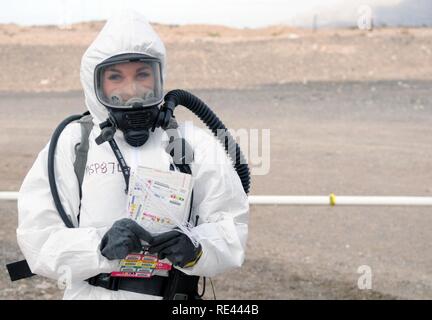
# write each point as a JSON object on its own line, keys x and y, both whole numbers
{"x": 123, "y": 238}
{"x": 177, "y": 248}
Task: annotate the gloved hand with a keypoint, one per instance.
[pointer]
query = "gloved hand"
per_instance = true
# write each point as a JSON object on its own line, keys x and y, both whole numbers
{"x": 123, "y": 238}
{"x": 177, "y": 248}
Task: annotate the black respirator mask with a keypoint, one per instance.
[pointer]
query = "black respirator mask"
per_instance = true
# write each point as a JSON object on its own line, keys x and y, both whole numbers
{"x": 135, "y": 123}
{"x": 130, "y": 86}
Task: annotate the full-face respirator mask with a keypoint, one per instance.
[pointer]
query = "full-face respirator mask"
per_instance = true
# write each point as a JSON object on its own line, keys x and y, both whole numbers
{"x": 130, "y": 86}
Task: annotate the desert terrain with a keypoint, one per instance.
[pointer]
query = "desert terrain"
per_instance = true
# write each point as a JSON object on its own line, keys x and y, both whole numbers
{"x": 349, "y": 112}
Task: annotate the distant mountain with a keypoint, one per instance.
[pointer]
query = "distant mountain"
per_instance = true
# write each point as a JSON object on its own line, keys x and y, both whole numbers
{"x": 407, "y": 13}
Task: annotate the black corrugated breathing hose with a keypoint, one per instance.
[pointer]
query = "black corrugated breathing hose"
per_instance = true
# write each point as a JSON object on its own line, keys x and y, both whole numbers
{"x": 202, "y": 111}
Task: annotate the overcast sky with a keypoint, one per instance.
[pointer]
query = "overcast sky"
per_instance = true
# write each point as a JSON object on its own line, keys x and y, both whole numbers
{"x": 236, "y": 13}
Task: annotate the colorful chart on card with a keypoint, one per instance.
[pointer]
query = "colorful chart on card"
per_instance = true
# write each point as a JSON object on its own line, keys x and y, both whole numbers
{"x": 159, "y": 200}
{"x": 144, "y": 265}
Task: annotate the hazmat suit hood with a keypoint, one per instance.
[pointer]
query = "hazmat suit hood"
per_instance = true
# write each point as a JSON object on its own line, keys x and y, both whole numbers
{"x": 125, "y": 32}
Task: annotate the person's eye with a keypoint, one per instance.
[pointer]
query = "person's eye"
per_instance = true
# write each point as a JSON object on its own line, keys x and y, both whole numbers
{"x": 114, "y": 77}
{"x": 143, "y": 75}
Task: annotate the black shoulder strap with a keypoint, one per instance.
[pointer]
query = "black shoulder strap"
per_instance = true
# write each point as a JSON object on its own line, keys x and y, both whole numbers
{"x": 179, "y": 149}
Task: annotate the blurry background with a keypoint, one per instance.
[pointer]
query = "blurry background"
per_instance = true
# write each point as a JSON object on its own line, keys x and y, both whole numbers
{"x": 239, "y": 13}
{"x": 343, "y": 87}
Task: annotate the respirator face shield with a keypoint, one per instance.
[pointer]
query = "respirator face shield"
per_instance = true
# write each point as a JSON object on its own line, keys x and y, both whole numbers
{"x": 129, "y": 81}
{"x": 130, "y": 86}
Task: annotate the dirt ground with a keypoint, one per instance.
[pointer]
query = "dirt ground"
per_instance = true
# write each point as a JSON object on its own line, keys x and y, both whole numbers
{"x": 349, "y": 112}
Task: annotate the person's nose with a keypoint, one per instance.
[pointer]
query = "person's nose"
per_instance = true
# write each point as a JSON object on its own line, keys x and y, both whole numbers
{"x": 129, "y": 90}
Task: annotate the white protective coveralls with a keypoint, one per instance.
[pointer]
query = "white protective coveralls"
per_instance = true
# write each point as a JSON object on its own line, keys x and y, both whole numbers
{"x": 52, "y": 250}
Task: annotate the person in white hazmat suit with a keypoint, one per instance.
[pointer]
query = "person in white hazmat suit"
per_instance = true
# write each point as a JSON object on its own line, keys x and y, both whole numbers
{"x": 102, "y": 233}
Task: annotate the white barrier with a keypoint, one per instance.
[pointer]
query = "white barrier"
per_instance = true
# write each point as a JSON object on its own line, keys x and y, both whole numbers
{"x": 334, "y": 200}
{"x": 6, "y": 195}
{"x": 331, "y": 199}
